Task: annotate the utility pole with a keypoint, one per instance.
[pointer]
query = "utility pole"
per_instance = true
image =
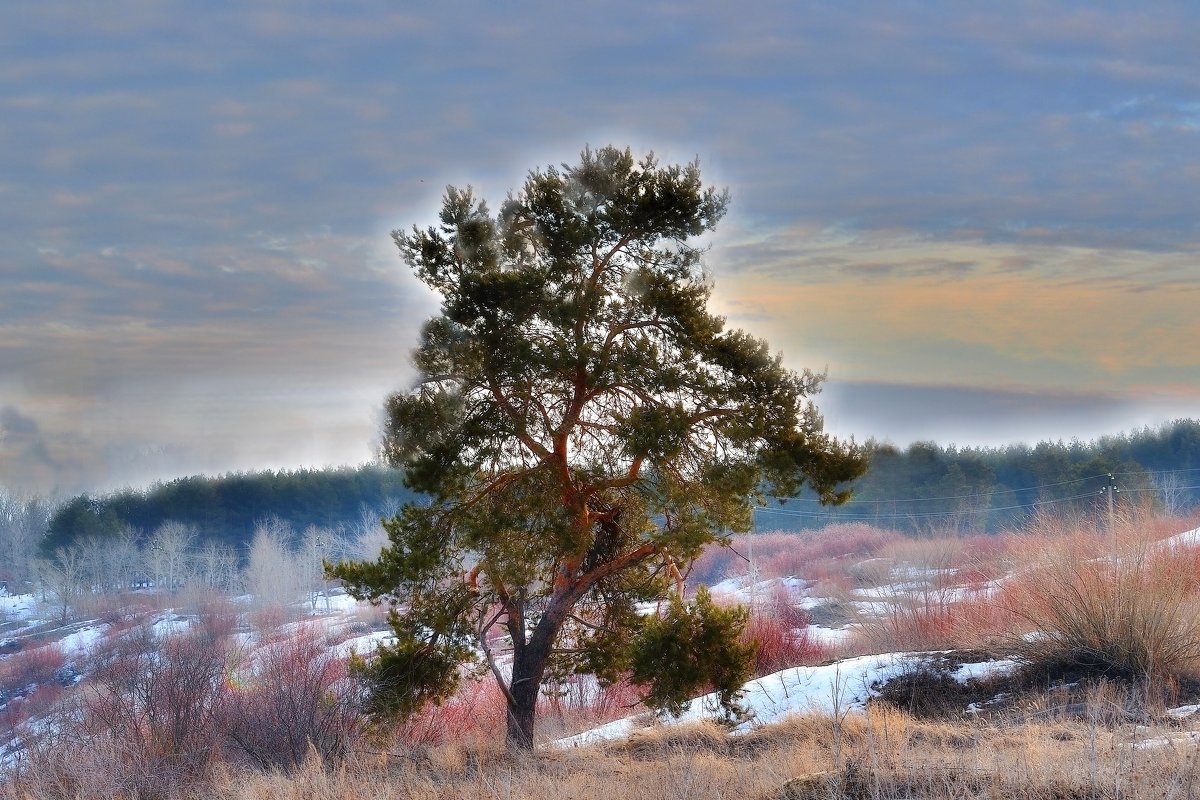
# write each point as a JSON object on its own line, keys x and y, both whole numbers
{"x": 753, "y": 571}
{"x": 1111, "y": 490}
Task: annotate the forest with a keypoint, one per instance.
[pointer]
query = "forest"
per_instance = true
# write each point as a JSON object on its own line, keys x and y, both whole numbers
{"x": 228, "y": 508}
{"x": 929, "y": 488}
{"x": 923, "y": 488}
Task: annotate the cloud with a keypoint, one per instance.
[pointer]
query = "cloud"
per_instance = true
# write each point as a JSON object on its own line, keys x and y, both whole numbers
{"x": 14, "y": 423}
{"x": 1047, "y": 317}
{"x": 200, "y": 198}
{"x": 903, "y": 413}
{"x": 26, "y": 460}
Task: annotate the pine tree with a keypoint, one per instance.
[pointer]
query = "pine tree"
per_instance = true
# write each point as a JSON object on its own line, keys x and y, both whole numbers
{"x": 584, "y": 427}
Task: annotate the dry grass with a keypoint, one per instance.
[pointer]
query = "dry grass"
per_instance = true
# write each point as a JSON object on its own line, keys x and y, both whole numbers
{"x": 1118, "y": 603}
{"x": 1133, "y": 616}
{"x": 884, "y": 754}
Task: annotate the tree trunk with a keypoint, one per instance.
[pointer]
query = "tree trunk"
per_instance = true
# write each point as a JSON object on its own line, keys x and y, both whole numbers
{"x": 529, "y": 668}
{"x": 519, "y": 729}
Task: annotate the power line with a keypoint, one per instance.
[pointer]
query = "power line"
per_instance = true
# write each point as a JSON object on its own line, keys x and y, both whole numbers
{"x": 928, "y": 514}
{"x": 971, "y": 496}
{"x": 994, "y": 492}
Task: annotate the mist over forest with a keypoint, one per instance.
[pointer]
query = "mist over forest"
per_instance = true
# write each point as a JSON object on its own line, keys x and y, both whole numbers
{"x": 924, "y": 488}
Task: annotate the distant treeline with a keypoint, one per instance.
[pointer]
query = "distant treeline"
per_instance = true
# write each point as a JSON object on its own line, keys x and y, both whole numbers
{"x": 227, "y": 508}
{"x": 931, "y": 488}
{"x": 922, "y": 488}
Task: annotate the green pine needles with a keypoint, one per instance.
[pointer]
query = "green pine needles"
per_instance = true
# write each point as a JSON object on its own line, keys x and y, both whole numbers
{"x": 583, "y": 427}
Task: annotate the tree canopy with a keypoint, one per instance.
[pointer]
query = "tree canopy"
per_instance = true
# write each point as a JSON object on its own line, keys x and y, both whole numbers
{"x": 584, "y": 427}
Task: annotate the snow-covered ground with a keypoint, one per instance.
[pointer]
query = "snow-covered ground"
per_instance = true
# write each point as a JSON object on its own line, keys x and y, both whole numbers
{"x": 841, "y": 687}
{"x": 361, "y": 645}
{"x": 81, "y": 642}
{"x": 1186, "y": 539}
{"x": 741, "y": 590}
{"x": 17, "y": 606}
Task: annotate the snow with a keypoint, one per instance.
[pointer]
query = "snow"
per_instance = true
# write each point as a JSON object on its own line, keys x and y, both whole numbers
{"x": 20, "y": 606}
{"x": 841, "y": 687}
{"x": 362, "y": 645}
{"x": 889, "y": 591}
{"x": 170, "y": 625}
{"x": 739, "y": 589}
{"x": 874, "y": 609}
{"x": 830, "y": 637}
{"x": 335, "y": 603}
{"x": 1185, "y": 738}
{"x": 81, "y": 641}
{"x": 984, "y": 670}
{"x": 844, "y": 685}
{"x": 1186, "y": 539}
{"x": 1182, "y": 712}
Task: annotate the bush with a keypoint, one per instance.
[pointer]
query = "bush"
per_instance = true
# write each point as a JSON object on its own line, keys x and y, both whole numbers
{"x": 810, "y": 554}
{"x": 23, "y": 672}
{"x": 476, "y": 711}
{"x": 779, "y": 646}
{"x": 778, "y": 632}
{"x": 296, "y": 696}
{"x": 143, "y": 726}
{"x": 1131, "y": 613}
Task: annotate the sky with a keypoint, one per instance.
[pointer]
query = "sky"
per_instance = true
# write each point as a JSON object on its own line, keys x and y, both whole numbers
{"x": 981, "y": 220}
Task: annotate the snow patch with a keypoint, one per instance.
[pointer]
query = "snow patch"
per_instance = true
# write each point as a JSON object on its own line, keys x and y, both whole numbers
{"x": 984, "y": 670}
{"x": 841, "y": 687}
{"x": 1186, "y": 539}
{"x": 170, "y": 625}
{"x": 18, "y": 606}
{"x": 340, "y": 603}
{"x": 1190, "y": 738}
{"x": 81, "y": 641}
{"x": 1182, "y": 712}
{"x": 362, "y": 645}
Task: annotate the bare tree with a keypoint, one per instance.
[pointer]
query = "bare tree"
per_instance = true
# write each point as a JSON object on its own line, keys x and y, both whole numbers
{"x": 22, "y": 523}
{"x": 167, "y": 554}
{"x": 216, "y": 566}
{"x": 65, "y": 577}
{"x": 1176, "y": 497}
{"x": 370, "y": 535}
{"x": 272, "y": 572}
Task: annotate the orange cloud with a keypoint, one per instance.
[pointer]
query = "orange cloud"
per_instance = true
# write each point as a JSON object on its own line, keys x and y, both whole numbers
{"x": 1062, "y": 317}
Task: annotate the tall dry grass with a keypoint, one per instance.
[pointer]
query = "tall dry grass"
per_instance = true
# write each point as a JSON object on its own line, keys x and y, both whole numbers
{"x": 883, "y": 754}
{"x": 1116, "y": 602}
{"x": 814, "y": 555}
{"x": 932, "y": 594}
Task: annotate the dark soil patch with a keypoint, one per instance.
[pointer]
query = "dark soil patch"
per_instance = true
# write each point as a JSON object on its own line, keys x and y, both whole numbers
{"x": 832, "y": 614}
{"x": 932, "y": 692}
{"x": 1061, "y": 691}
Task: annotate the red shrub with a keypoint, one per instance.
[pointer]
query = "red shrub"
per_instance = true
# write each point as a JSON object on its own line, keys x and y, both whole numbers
{"x": 216, "y": 617}
{"x": 29, "y": 669}
{"x": 38, "y": 703}
{"x": 478, "y": 709}
{"x": 778, "y": 554}
{"x": 779, "y": 629}
{"x": 297, "y": 696}
{"x": 779, "y": 645}
{"x": 143, "y": 725}
{"x": 614, "y": 701}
